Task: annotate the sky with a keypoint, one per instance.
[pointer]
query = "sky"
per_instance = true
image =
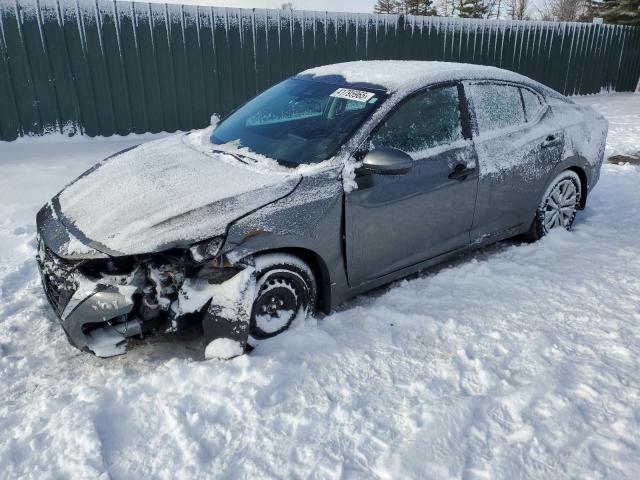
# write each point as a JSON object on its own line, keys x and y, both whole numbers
{"x": 355, "y": 6}
{"x": 365, "y": 6}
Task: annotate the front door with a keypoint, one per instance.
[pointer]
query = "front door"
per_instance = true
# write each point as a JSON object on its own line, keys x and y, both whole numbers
{"x": 395, "y": 221}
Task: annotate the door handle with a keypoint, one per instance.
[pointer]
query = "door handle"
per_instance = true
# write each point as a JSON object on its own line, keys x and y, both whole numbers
{"x": 460, "y": 172}
{"x": 550, "y": 141}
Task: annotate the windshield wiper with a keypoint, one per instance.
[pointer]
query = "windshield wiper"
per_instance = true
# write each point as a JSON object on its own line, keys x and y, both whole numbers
{"x": 234, "y": 155}
{"x": 243, "y": 158}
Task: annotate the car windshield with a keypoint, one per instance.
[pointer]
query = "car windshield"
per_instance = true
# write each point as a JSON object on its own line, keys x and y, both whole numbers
{"x": 298, "y": 121}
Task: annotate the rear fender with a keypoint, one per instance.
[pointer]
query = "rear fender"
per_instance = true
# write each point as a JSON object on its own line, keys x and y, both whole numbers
{"x": 575, "y": 162}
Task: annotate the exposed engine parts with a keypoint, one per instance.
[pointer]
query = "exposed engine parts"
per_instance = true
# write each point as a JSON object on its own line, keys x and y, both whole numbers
{"x": 103, "y": 303}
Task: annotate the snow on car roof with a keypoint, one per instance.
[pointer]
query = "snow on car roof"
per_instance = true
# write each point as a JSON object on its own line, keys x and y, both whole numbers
{"x": 396, "y": 75}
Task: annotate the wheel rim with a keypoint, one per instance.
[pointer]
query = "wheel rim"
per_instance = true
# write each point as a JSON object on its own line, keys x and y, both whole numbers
{"x": 561, "y": 205}
{"x": 276, "y": 306}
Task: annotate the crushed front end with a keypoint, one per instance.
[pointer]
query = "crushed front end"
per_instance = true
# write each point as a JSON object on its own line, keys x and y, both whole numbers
{"x": 103, "y": 301}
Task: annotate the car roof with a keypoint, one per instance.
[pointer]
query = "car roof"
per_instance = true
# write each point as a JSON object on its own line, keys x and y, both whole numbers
{"x": 406, "y": 75}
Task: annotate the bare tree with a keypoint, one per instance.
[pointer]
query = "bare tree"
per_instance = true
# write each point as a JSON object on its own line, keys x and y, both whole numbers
{"x": 594, "y": 8}
{"x": 567, "y": 10}
{"x": 493, "y": 8}
{"x": 544, "y": 11}
{"x": 446, "y": 7}
{"x": 562, "y": 10}
{"x": 517, "y": 9}
{"x": 287, "y": 6}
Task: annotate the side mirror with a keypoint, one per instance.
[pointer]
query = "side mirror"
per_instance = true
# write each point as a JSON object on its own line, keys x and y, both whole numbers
{"x": 387, "y": 161}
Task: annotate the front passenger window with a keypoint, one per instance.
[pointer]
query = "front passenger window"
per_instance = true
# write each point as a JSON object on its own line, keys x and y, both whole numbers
{"x": 424, "y": 121}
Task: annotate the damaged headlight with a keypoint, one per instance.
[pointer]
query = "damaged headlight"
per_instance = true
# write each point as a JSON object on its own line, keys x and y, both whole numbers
{"x": 111, "y": 266}
{"x": 206, "y": 250}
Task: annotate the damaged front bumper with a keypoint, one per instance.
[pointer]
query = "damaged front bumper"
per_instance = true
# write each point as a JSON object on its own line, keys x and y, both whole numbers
{"x": 102, "y": 304}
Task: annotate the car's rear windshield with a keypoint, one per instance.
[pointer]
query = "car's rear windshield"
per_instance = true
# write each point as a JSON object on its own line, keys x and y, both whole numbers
{"x": 298, "y": 121}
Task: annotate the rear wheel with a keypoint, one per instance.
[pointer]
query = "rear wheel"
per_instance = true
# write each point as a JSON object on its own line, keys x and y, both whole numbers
{"x": 285, "y": 290}
{"x": 559, "y": 205}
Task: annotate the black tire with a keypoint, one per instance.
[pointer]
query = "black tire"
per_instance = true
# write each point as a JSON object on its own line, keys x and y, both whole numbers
{"x": 285, "y": 289}
{"x": 548, "y": 207}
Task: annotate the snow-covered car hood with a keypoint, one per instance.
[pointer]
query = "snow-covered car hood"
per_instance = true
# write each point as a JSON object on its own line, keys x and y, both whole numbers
{"x": 164, "y": 194}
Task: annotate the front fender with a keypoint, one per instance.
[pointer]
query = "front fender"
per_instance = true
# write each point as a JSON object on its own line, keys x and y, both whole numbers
{"x": 227, "y": 320}
{"x": 310, "y": 219}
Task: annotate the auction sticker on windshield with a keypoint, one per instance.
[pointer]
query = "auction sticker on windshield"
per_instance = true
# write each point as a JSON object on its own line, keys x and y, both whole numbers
{"x": 350, "y": 94}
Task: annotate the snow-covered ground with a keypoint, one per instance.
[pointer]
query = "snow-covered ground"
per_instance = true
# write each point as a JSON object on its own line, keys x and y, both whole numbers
{"x": 623, "y": 112}
{"x": 518, "y": 361}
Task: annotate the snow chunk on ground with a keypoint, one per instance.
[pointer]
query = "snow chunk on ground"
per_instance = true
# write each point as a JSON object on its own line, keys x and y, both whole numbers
{"x": 223, "y": 349}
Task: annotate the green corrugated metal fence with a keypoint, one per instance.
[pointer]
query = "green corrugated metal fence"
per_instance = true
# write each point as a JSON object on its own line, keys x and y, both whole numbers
{"x": 104, "y": 68}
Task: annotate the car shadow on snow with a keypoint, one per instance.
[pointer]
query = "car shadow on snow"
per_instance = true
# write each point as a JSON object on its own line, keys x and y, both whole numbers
{"x": 481, "y": 254}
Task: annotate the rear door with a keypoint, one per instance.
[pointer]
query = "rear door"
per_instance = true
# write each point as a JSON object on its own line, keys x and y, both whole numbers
{"x": 394, "y": 221}
{"x": 517, "y": 147}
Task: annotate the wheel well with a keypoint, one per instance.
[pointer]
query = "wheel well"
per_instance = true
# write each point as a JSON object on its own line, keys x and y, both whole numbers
{"x": 318, "y": 267}
{"x": 583, "y": 185}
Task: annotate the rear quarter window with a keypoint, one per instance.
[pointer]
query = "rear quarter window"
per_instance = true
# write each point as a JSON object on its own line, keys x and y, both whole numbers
{"x": 533, "y": 104}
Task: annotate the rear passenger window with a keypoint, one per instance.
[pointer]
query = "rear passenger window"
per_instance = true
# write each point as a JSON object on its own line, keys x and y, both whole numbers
{"x": 532, "y": 104}
{"x": 497, "y": 106}
{"x": 427, "y": 120}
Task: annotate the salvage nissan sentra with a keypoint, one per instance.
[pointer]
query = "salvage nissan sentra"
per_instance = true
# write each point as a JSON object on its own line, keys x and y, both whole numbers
{"x": 331, "y": 183}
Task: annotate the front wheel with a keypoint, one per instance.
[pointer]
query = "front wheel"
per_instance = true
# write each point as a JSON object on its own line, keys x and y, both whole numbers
{"x": 285, "y": 290}
{"x": 559, "y": 205}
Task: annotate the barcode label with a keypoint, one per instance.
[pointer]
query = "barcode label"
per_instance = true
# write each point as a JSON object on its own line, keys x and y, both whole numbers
{"x": 349, "y": 94}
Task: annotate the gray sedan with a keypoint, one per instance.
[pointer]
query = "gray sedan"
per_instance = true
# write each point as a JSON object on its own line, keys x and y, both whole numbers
{"x": 331, "y": 183}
